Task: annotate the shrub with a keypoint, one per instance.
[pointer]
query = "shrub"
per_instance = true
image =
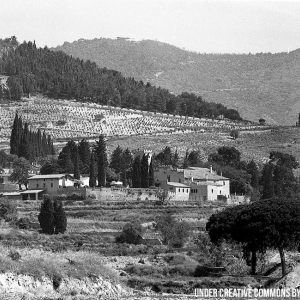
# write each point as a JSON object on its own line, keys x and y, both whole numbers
{"x": 174, "y": 233}
{"x": 57, "y": 279}
{"x": 76, "y": 196}
{"x": 60, "y": 219}
{"x": 46, "y": 216}
{"x": 14, "y": 255}
{"x": 52, "y": 217}
{"x": 234, "y": 134}
{"x": 201, "y": 271}
{"x": 23, "y": 223}
{"x": 8, "y": 210}
{"x": 131, "y": 233}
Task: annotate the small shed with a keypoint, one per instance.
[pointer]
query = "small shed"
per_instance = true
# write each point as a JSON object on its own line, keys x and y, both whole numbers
{"x": 32, "y": 194}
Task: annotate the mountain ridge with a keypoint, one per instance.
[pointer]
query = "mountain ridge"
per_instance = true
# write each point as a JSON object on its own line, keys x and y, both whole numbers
{"x": 261, "y": 85}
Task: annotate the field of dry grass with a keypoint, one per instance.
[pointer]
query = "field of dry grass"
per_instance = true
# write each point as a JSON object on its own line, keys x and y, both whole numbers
{"x": 87, "y": 256}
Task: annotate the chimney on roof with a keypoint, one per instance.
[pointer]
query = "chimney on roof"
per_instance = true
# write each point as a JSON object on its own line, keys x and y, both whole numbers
{"x": 211, "y": 169}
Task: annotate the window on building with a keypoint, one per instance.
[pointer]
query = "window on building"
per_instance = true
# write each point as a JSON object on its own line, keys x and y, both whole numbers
{"x": 44, "y": 179}
{"x": 179, "y": 190}
{"x": 179, "y": 180}
{"x": 168, "y": 178}
{"x": 1, "y": 180}
{"x": 37, "y": 185}
{"x": 187, "y": 190}
{"x": 51, "y": 184}
{"x": 220, "y": 192}
{"x": 44, "y": 185}
{"x": 212, "y": 190}
{"x": 223, "y": 182}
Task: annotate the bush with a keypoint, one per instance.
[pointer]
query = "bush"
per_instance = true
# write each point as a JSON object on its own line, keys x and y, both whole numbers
{"x": 14, "y": 255}
{"x": 23, "y": 223}
{"x": 234, "y": 134}
{"x": 201, "y": 271}
{"x": 174, "y": 233}
{"x": 131, "y": 234}
{"x": 8, "y": 210}
{"x": 76, "y": 196}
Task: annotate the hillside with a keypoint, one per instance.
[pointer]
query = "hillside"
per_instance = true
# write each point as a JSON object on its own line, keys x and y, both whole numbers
{"x": 59, "y": 75}
{"x": 263, "y": 85}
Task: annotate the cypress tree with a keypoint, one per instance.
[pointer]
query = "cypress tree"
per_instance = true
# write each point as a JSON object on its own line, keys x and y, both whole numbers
{"x": 144, "y": 172}
{"x": 151, "y": 174}
{"x": 116, "y": 161}
{"x": 100, "y": 150}
{"x": 92, "y": 181}
{"x": 76, "y": 167}
{"x": 175, "y": 160}
{"x": 46, "y": 216}
{"x": 136, "y": 172}
{"x": 60, "y": 219}
{"x": 16, "y": 135}
{"x": 25, "y": 146}
{"x": 267, "y": 181}
{"x": 253, "y": 171}
{"x": 67, "y": 163}
{"x": 84, "y": 156}
{"x": 127, "y": 167}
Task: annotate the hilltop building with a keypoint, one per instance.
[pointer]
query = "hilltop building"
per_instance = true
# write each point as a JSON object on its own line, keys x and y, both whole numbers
{"x": 193, "y": 183}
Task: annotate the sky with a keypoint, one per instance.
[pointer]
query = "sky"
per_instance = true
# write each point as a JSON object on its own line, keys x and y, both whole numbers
{"x": 205, "y": 26}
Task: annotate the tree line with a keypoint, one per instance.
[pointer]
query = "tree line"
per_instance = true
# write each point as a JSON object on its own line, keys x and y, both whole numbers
{"x": 59, "y": 75}
{"x": 91, "y": 160}
{"x": 27, "y": 143}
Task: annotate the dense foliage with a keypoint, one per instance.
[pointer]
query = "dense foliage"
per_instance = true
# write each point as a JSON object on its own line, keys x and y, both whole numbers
{"x": 52, "y": 217}
{"x": 174, "y": 233}
{"x": 29, "y": 144}
{"x": 265, "y": 224}
{"x": 131, "y": 234}
{"x": 61, "y": 76}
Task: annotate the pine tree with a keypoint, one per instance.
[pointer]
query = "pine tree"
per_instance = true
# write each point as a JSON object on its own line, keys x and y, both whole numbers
{"x": 60, "y": 219}
{"x": 144, "y": 172}
{"x": 92, "y": 181}
{"x": 46, "y": 216}
{"x": 136, "y": 172}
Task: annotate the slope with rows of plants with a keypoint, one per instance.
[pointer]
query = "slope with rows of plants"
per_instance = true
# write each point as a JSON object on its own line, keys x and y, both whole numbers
{"x": 59, "y": 75}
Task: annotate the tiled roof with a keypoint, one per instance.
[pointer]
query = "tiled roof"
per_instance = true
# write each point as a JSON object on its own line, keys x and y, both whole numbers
{"x": 49, "y": 176}
{"x": 177, "y": 184}
{"x": 31, "y": 191}
{"x": 201, "y": 174}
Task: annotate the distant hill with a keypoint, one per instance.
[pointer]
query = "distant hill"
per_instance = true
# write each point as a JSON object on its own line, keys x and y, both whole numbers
{"x": 263, "y": 85}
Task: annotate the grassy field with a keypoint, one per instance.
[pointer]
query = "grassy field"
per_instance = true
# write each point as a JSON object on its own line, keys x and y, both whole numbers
{"x": 88, "y": 249}
{"x": 255, "y": 144}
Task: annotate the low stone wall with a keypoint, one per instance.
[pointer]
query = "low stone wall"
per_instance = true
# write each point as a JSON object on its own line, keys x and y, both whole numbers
{"x": 113, "y": 194}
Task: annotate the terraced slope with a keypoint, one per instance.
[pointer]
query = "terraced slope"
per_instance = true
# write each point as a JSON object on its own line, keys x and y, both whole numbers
{"x": 64, "y": 119}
